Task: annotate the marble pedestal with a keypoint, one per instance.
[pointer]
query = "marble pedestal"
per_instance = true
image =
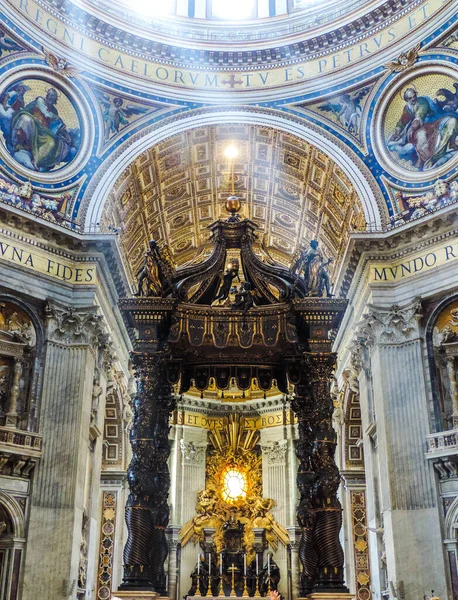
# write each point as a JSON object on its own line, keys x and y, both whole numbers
{"x": 328, "y": 596}
{"x": 229, "y": 597}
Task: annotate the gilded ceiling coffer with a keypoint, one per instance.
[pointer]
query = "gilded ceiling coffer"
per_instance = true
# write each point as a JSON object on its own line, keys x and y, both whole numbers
{"x": 195, "y": 328}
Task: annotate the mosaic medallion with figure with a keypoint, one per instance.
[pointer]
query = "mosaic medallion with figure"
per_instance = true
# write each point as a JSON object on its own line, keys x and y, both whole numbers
{"x": 420, "y": 124}
{"x": 39, "y": 124}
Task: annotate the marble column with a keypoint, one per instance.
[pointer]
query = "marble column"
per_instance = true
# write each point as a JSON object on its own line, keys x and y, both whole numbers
{"x": 11, "y": 415}
{"x": 295, "y": 534}
{"x": 147, "y": 510}
{"x": 173, "y": 566}
{"x": 399, "y": 481}
{"x": 191, "y": 444}
{"x": 57, "y": 505}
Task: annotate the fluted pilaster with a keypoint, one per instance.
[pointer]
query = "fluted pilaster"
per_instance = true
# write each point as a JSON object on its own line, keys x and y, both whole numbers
{"x": 58, "y": 497}
{"x": 395, "y": 419}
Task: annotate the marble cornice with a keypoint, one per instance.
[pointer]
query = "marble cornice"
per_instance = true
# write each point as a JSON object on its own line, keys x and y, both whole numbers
{"x": 217, "y": 408}
{"x": 70, "y": 245}
{"x": 395, "y": 244}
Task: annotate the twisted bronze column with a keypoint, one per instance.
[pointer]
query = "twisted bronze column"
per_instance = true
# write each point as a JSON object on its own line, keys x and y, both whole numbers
{"x": 147, "y": 509}
{"x": 302, "y": 404}
{"x": 328, "y": 510}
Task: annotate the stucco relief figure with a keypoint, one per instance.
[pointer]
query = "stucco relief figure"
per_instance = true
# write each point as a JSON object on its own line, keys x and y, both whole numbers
{"x": 312, "y": 268}
{"x": 346, "y": 109}
{"x": 34, "y": 132}
{"x": 425, "y": 134}
{"x": 116, "y": 115}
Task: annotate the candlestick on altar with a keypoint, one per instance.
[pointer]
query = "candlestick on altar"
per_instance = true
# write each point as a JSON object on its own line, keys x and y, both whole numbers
{"x": 221, "y": 589}
{"x": 257, "y": 593}
{"x": 209, "y": 589}
{"x": 198, "y": 564}
{"x": 244, "y": 564}
{"x": 268, "y": 565}
{"x": 245, "y": 589}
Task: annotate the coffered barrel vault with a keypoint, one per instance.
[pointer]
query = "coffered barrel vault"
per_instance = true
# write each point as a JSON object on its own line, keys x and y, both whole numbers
{"x": 293, "y": 191}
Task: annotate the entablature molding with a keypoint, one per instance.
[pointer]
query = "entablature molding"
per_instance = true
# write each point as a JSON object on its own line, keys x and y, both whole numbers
{"x": 395, "y": 256}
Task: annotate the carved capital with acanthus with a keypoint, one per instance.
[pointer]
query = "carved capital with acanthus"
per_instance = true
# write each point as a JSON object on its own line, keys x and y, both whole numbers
{"x": 192, "y": 454}
{"x": 394, "y": 325}
{"x": 275, "y": 452}
{"x": 73, "y": 326}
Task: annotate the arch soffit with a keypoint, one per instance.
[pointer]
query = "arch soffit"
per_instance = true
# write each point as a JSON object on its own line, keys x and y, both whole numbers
{"x": 15, "y": 513}
{"x": 368, "y": 191}
{"x": 451, "y": 519}
{"x": 438, "y": 309}
{"x": 31, "y": 313}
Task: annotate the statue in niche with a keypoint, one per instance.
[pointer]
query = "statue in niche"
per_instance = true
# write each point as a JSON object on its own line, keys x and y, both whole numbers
{"x": 96, "y": 395}
{"x": 82, "y": 573}
{"x": 153, "y": 278}
{"x": 312, "y": 268}
{"x": 5, "y": 376}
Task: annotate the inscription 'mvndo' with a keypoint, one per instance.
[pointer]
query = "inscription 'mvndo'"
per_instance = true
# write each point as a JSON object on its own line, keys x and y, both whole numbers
{"x": 53, "y": 267}
{"x": 415, "y": 265}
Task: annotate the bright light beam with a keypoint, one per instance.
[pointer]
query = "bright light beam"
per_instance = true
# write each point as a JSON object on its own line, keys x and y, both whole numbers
{"x": 231, "y": 151}
{"x": 150, "y": 9}
{"x": 232, "y": 9}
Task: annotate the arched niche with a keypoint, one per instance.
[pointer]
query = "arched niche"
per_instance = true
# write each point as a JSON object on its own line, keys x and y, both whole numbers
{"x": 296, "y": 184}
{"x": 12, "y": 544}
{"x": 442, "y": 339}
{"x": 18, "y": 352}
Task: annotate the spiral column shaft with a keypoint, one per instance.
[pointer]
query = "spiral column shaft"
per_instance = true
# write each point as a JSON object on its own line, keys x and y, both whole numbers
{"x": 147, "y": 510}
